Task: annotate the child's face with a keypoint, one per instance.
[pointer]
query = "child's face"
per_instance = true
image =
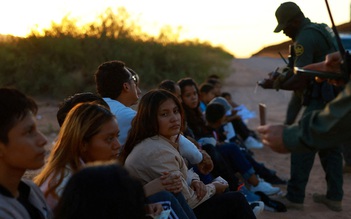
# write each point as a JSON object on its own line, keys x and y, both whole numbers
{"x": 169, "y": 119}
{"x": 25, "y": 149}
{"x": 207, "y": 97}
{"x": 190, "y": 96}
{"x": 103, "y": 146}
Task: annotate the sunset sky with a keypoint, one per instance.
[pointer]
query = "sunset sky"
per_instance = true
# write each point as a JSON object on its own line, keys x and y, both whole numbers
{"x": 242, "y": 27}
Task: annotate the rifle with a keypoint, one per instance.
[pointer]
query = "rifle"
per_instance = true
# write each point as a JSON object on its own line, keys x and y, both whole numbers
{"x": 345, "y": 65}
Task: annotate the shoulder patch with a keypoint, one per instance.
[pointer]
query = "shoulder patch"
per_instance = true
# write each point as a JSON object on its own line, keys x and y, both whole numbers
{"x": 299, "y": 49}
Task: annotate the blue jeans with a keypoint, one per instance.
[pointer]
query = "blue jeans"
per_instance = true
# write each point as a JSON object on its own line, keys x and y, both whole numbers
{"x": 236, "y": 159}
{"x": 178, "y": 203}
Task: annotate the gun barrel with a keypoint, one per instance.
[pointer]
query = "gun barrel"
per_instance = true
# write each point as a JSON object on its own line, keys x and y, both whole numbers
{"x": 281, "y": 56}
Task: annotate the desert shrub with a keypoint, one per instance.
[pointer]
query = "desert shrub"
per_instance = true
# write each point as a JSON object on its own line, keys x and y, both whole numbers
{"x": 61, "y": 60}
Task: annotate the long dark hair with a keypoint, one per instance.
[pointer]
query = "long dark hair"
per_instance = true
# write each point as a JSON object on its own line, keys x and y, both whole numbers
{"x": 194, "y": 118}
{"x": 145, "y": 123}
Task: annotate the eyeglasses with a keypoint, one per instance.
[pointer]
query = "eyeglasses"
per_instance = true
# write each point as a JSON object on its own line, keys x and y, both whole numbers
{"x": 134, "y": 78}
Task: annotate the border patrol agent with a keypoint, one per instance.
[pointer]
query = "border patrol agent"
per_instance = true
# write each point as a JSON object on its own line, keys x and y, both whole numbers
{"x": 312, "y": 42}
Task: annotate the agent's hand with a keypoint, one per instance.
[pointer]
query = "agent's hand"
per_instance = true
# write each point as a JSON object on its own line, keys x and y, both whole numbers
{"x": 199, "y": 187}
{"x": 331, "y": 64}
{"x": 272, "y": 136}
{"x": 171, "y": 182}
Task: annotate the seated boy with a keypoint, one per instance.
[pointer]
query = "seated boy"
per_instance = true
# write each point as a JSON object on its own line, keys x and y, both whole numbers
{"x": 21, "y": 149}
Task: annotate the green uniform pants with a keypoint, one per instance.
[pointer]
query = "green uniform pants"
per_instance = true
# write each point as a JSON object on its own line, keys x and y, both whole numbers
{"x": 294, "y": 107}
{"x": 301, "y": 165}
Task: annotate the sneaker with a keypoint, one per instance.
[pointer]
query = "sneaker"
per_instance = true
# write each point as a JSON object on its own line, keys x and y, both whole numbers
{"x": 252, "y": 143}
{"x": 332, "y": 205}
{"x": 265, "y": 187}
{"x": 257, "y": 207}
{"x": 289, "y": 204}
{"x": 250, "y": 196}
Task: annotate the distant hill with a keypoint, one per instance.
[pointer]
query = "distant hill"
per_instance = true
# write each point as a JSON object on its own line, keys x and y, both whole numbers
{"x": 283, "y": 48}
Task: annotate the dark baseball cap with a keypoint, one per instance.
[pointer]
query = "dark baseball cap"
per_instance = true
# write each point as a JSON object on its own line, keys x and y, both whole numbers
{"x": 284, "y": 14}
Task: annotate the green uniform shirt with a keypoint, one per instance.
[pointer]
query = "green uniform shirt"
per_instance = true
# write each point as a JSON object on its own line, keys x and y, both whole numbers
{"x": 322, "y": 129}
{"x": 313, "y": 42}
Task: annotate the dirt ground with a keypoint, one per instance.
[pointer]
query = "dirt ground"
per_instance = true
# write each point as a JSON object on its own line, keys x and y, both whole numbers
{"x": 242, "y": 85}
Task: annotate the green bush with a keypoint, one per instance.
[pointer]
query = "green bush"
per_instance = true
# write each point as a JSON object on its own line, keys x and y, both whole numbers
{"x": 62, "y": 60}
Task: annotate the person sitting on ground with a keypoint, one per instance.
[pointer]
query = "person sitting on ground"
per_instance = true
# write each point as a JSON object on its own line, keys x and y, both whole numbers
{"x": 206, "y": 94}
{"x": 21, "y": 149}
{"x": 215, "y": 116}
{"x": 241, "y": 129}
{"x": 220, "y": 167}
{"x": 69, "y": 102}
{"x": 153, "y": 190}
{"x": 197, "y": 126}
{"x": 190, "y": 150}
{"x": 119, "y": 87}
{"x": 88, "y": 134}
{"x": 151, "y": 149}
{"x": 102, "y": 190}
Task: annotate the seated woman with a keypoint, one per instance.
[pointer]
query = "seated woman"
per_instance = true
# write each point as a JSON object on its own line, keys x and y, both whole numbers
{"x": 165, "y": 183}
{"x": 210, "y": 173}
{"x": 188, "y": 147}
{"x": 21, "y": 149}
{"x": 197, "y": 128}
{"x": 89, "y": 134}
{"x": 150, "y": 150}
